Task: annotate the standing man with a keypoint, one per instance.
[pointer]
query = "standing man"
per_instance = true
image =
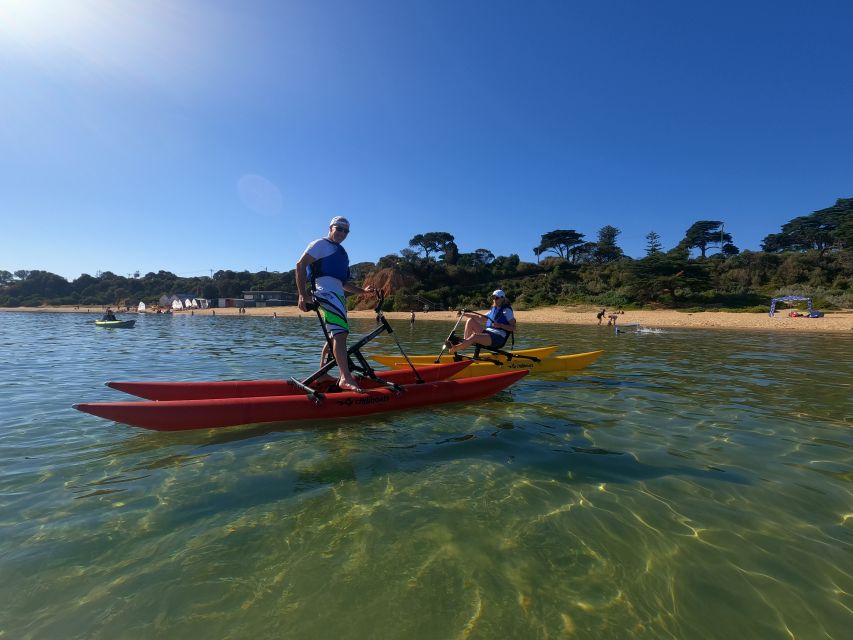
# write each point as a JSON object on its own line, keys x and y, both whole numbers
{"x": 325, "y": 264}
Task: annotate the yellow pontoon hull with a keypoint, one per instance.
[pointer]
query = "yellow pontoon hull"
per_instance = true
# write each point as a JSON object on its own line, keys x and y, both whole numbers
{"x": 573, "y": 362}
{"x": 390, "y": 361}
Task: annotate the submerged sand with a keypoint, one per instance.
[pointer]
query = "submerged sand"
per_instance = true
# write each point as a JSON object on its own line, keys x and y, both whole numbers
{"x": 832, "y": 322}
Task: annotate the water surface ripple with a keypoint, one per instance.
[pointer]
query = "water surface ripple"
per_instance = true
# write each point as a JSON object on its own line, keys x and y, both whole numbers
{"x": 688, "y": 485}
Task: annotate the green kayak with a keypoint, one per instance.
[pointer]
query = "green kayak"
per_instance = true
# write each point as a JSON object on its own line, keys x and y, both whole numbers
{"x": 115, "y": 324}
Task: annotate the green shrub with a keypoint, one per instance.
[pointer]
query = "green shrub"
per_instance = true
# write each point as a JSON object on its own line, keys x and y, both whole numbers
{"x": 611, "y": 299}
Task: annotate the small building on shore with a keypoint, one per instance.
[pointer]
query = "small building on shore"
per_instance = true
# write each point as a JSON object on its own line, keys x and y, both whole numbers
{"x": 267, "y": 299}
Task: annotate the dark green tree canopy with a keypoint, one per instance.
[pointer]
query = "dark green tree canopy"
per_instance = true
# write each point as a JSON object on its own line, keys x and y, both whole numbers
{"x": 393, "y": 261}
{"x": 44, "y": 283}
{"x": 451, "y": 253}
{"x": 477, "y": 259}
{"x": 484, "y": 256}
{"x": 409, "y": 256}
{"x": 606, "y": 249}
{"x": 584, "y": 252}
{"x": 665, "y": 277}
{"x": 653, "y": 243}
{"x": 430, "y": 243}
{"x": 703, "y": 233}
{"x": 576, "y": 272}
{"x": 821, "y": 230}
{"x": 560, "y": 242}
{"x": 358, "y": 272}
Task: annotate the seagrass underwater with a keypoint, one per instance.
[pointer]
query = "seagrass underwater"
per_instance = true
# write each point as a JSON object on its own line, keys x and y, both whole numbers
{"x": 688, "y": 483}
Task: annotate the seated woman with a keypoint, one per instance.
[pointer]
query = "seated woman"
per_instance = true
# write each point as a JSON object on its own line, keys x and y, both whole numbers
{"x": 491, "y": 330}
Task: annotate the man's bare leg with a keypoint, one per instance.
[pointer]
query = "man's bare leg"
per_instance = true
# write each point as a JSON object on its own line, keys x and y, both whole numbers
{"x": 339, "y": 348}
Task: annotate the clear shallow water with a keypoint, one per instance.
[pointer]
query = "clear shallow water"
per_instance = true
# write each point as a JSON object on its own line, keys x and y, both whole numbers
{"x": 688, "y": 485}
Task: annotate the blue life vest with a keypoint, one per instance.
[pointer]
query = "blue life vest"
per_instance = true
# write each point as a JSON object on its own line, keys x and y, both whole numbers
{"x": 335, "y": 265}
{"x": 497, "y": 315}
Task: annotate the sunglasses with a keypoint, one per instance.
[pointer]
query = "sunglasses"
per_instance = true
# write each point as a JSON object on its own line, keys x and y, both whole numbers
{"x": 343, "y": 230}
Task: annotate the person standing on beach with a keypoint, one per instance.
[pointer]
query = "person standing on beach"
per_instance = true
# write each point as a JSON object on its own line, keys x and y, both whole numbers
{"x": 600, "y": 315}
{"x": 325, "y": 264}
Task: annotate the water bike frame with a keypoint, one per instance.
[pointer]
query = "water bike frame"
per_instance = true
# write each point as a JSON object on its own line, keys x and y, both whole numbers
{"x": 357, "y": 363}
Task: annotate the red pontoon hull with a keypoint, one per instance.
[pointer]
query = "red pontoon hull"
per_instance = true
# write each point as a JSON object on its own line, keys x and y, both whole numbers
{"x": 180, "y": 415}
{"x": 262, "y": 388}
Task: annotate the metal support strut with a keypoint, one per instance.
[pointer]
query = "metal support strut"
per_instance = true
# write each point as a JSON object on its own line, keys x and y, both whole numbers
{"x": 357, "y": 362}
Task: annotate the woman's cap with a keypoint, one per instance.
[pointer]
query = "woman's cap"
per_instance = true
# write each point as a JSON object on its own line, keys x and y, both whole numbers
{"x": 498, "y": 293}
{"x": 339, "y": 221}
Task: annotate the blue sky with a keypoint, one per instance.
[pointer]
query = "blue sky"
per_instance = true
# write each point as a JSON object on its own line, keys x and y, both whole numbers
{"x": 201, "y": 135}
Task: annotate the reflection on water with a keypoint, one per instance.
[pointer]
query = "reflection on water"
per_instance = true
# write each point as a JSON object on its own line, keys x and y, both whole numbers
{"x": 687, "y": 485}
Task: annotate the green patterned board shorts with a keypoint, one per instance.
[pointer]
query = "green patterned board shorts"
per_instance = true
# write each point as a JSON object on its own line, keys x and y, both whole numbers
{"x": 333, "y": 307}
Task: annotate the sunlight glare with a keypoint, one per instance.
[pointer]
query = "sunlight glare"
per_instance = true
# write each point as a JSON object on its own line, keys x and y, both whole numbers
{"x": 154, "y": 43}
{"x": 260, "y": 195}
{"x": 34, "y": 23}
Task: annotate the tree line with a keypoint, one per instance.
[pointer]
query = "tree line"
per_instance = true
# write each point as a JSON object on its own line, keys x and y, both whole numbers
{"x": 811, "y": 254}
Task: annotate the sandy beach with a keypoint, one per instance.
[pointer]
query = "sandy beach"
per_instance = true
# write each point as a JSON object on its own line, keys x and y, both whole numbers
{"x": 832, "y": 322}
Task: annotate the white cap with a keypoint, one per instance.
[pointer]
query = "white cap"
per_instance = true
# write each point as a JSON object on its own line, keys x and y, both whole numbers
{"x": 339, "y": 221}
{"x": 498, "y": 293}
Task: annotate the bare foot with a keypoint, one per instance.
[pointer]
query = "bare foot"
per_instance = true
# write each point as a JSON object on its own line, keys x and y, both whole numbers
{"x": 324, "y": 384}
{"x": 350, "y": 386}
